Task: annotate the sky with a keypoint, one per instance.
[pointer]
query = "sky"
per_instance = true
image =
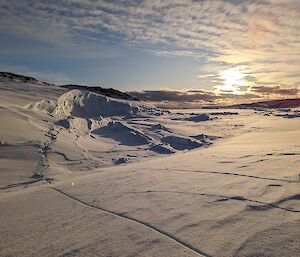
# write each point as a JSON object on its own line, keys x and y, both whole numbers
{"x": 195, "y": 51}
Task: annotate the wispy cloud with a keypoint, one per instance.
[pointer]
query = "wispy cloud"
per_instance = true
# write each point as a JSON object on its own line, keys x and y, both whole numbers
{"x": 275, "y": 90}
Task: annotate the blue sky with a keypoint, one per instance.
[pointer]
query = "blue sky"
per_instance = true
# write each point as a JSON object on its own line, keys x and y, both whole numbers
{"x": 119, "y": 66}
{"x": 221, "y": 46}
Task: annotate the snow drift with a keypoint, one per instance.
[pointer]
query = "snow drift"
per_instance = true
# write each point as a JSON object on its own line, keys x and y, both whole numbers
{"x": 42, "y": 106}
{"x": 87, "y": 104}
{"x": 122, "y": 122}
{"x": 123, "y": 133}
{"x": 181, "y": 143}
{"x": 199, "y": 118}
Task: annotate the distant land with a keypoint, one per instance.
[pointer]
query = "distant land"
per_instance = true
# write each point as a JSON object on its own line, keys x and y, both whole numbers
{"x": 110, "y": 92}
{"x": 273, "y": 104}
{"x": 25, "y": 79}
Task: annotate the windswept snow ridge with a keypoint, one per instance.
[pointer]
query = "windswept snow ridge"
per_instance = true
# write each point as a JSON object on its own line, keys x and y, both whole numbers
{"x": 90, "y": 105}
{"x": 47, "y": 106}
{"x": 128, "y": 125}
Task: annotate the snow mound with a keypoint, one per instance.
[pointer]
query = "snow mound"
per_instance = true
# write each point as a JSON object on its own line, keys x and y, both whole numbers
{"x": 47, "y": 106}
{"x": 122, "y": 133}
{"x": 181, "y": 143}
{"x": 81, "y": 125}
{"x": 122, "y": 160}
{"x": 89, "y": 105}
{"x": 199, "y": 118}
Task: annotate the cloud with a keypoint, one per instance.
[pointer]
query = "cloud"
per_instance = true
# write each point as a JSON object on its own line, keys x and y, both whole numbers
{"x": 191, "y": 98}
{"x": 175, "y": 96}
{"x": 275, "y": 90}
{"x": 195, "y": 98}
{"x": 182, "y": 53}
{"x": 261, "y": 37}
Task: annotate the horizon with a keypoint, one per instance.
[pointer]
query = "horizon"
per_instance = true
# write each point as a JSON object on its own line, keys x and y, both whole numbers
{"x": 191, "y": 52}
{"x": 162, "y": 102}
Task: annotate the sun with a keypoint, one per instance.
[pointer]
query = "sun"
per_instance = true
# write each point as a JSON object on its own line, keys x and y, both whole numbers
{"x": 233, "y": 78}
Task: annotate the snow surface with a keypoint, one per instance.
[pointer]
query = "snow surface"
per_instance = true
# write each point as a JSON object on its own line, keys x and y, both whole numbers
{"x": 85, "y": 179}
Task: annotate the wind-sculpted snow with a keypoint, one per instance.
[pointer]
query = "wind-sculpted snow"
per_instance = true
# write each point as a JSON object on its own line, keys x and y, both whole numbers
{"x": 123, "y": 134}
{"x": 139, "y": 181}
{"x": 194, "y": 117}
{"x": 199, "y": 118}
{"x": 90, "y": 105}
{"x": 181, "y": 143}
{"x": 126, "y": 125}
{"x": 42, "y": 106}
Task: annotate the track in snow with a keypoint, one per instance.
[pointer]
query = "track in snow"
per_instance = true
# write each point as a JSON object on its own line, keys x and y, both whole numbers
{"x": 140, "y": 222}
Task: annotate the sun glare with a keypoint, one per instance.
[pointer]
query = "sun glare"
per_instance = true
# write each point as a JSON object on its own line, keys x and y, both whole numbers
{"x": 233, "y": 78}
